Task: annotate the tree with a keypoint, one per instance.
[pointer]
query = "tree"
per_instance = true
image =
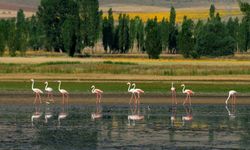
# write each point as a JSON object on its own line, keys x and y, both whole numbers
{"x": 233, "y": 29}
{"x": 123, "y": 33}
{"x": 35, "y": 33}
{"x": 11, "y": 34}
{"x": 139, "y": 34}
{"x": 164, "y": 26}
{"x": 132, "y": 32}
{"x": 173, "y": 32}
{"x": 214, "y": 39}
{"x": 2, "y": 41}
{"x": 212, "y": 11}
{"x": 111, "y": 30}
{"x": 186, "y": 38}
{"x": 153, "y": 43}
{"x": 89, "y": 22}
{"x": 105, "y": 33}
{"x": 21, "y": 33}
{"x": 245, "y": 26}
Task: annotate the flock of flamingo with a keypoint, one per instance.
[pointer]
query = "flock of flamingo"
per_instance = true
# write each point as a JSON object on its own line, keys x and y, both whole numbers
{"x": 135, "y": 97}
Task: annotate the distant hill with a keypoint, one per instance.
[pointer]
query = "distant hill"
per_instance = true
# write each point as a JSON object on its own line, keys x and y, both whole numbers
{"x": 28, "y": 5}
{"x": 31, "y": 5}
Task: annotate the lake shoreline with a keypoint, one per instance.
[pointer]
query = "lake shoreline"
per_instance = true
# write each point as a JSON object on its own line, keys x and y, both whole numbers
{"x": 118, "y": 98}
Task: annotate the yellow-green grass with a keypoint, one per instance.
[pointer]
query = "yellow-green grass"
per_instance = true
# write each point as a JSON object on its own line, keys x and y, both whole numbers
{"x": 194, "y": 14}
{"x": 133, "y": 66}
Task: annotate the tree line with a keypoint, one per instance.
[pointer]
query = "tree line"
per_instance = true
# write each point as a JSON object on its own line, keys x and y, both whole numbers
{"x": 70, "y": 26}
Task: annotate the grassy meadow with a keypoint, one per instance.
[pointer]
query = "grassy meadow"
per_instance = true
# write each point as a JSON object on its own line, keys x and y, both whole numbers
{"x": 206, "y": 76}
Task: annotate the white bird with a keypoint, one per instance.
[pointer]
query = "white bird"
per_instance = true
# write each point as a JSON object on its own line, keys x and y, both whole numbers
{"x": 63, "y": 92}
{"x": 232, "y": 94}
{"x": 138, "y": 92}
{"x": 98, "y": 93}
{"x": 36, "y": 91}
{"x": 173, "y": 91}
{"x": 49, "y": 90}
{"x": 131, "y": 90}
{"x": 188, "y": 93}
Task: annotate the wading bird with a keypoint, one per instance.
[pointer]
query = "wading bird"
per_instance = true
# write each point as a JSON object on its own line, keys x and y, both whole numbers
{"x": 98, "y": 93}
{"x": 138, "y": 92}
{"x": 131, "y": 90}
{"x": 232, "y": 94}
{"x": 36, "y": 91}
{"x": 49, "y": 91}
{"x": 63, "y": 92}
{"x": 173, "y": 91}
{"x": 188, "y": 93}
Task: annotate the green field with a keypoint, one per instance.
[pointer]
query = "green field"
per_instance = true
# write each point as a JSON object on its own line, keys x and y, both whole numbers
{"x": 207, "y": 76}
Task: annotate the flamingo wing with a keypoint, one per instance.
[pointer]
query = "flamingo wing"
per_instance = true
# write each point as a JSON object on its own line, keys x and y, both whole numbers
{"x": 63, "y": 91}
{"x": 98, "y": 91}
{"x": 139, "y": 90}
{"x": 188, "y": 92}
{"x": 36, "y": 90}
{"x": 49, "y": 89}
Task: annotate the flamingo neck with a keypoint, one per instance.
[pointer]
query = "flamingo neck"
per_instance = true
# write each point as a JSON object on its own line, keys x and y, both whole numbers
{"x": 93, "y": 89}
{"x": 32, "y": 87}
{"x": 129, "y": 85}
{"x": 59, "y": 86}
{"x": 133, "y": 86}
{"x": 46, "y": 86}
{"x": 183, "y": 89}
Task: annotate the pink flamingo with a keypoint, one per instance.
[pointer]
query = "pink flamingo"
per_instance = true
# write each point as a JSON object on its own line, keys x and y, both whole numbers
{"x": 232, "y": 94}
{"x": 173, "y": 91}
{"x": 131, "y": 90}
{"x": 63, "y": 92}
{"x": 36, "y": 91}
{"x": 49, "y": 91}
{"x": 98, "y": 93}
{"x": 138, "y": 92}
{"x": 188, "y": 93}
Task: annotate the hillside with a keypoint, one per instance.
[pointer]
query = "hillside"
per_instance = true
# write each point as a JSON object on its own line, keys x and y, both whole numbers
{"x": 118, "y": 5}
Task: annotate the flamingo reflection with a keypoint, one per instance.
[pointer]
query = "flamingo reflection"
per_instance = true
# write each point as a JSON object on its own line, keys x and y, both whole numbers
{"x": 48, "y": 112}
{"x": 189, "y": 116}
{"x": 63, "y": 114}
{"x": 36, "y": 115}
{"x": 231, "y": 112}
{"x": 135, "y": 115}
{"x": 98, "y": 113}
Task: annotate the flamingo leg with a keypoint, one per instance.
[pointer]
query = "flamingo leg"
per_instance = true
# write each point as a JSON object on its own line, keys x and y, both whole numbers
{"x": 67, "y": 99}
{"x": 100, "y": 97}
{"x": 189, "y": 100}
{"x": 132, "y": 96}
{"x": 35, "y": 99}
{"x": 96, "y": 99}
{"x": 63, "y": 99}
{"x": 175, "y": 97}
{"x": 39, "y": 98}
{"x": 185, "y": 100}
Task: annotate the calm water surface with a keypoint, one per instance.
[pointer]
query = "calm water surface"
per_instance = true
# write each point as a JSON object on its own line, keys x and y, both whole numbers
{"x": 163, "y": 127}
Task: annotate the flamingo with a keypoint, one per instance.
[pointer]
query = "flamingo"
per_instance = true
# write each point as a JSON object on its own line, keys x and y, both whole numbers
{"x": 173, "y": 94}
{"x": 131, "y": 91}
{"x": 36, "y": 91}
{"x": 188, "y": 93}
{"x": 63, "y": 92}
{"x": 98, "y": 93}
{"x": 232, "y": 94}
{"x": 49, "y": 91}
{"x": 138, "y": 92}
{"x": 36, "y": 115}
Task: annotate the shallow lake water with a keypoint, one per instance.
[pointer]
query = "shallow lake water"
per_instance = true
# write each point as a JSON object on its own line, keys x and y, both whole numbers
{"x": 163, "y": 127}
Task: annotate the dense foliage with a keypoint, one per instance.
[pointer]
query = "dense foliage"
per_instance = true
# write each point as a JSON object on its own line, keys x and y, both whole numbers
{"x": 72, "y": 25}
